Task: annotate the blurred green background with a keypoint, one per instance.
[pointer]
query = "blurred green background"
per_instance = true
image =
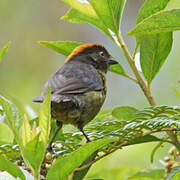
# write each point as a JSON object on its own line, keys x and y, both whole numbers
{"x": 28, "y": 65}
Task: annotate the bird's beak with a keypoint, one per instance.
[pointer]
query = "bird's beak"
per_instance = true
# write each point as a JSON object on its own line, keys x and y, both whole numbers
{"x": 111, "y": 62}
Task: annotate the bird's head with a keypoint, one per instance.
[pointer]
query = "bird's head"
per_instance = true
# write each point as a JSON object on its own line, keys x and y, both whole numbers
{"x": 93, "y": 54}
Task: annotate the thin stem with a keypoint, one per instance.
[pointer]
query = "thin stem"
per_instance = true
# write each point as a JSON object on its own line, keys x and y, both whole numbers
{"x": 36, "y": 175}
{"x": 161, "y": 130}
{"x": 135, "y": 51}
{"x": 131, "y": 78}
{"x": 139, "y": 78}
{"x": 100, "y": 157}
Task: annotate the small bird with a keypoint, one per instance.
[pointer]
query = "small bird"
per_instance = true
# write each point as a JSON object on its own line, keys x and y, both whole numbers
{"x": 78, "y": 88}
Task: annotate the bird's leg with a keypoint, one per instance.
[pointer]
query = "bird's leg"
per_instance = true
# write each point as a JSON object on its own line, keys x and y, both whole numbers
{"x": 88, "y": 140}
{"x": 59, "y": 126}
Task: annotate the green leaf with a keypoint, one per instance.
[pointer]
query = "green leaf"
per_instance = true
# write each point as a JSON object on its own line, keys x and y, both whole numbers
{"x": 75, "y": 16}
{"x": 4, "y": 50}
{"x": 84, "y": 13}
{"x": 45, "y": 118}
{"x": 154, "y": 50}
{"x": 114, "y": 172}
{"x": 6, "y": 135}
{"x": 33, "y": 153}
{"x": 150, "y": 7}
{"x": 110, "y": 12}
{"x": 150, "y": 45}
{"x": 124, "y": 113}
{"x": 79, "y": 175}
{"x": 11, "y": 168}
{"x": 14, "y": 118}
{"x": 62, "y": 47}
{"x": 105, "y": 113}
{"x": 174, "y": 174}
{"x": 26, "y": 131}
{"x": 84, "y": 8}
{"x": 164, "y": 21}
{"x": 34, "y": 131}
{"x": 152, "y": 174}
{"x": 118, "y": 69}
{"x": 173, "y": 4}
{"x": 64, "y": 166}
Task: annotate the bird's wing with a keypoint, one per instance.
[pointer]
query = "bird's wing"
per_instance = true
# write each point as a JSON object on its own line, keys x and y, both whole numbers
{"x": 74, "y": 78}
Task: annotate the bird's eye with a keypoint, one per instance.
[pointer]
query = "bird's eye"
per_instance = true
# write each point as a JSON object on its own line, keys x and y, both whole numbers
{"x": 101, "y": 54}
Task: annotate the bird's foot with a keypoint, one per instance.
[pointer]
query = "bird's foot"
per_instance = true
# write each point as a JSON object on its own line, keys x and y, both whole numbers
{"x": 50, "y": 149}
{"x": 87, "y": 140}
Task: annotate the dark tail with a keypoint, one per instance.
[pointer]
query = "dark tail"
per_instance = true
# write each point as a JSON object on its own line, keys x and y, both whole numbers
{"x": 39, "y": 99}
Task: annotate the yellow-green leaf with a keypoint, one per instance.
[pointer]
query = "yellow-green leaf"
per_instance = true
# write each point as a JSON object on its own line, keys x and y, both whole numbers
{"x": 6, "y": 135}
{"x": 26, "y": 131}
{"x": 110, "y": 12}
{"x": 124, "y": 113}
{"x": 163, "y": 21}
{"x": 154, "y": 50}
{"x": 75, "y": 16}
{"x": 62, "y": 47}
{"x": 45, "y": 118}
{"x": 34, "y": 131}
{"x": 173, "y": 4}
{"x": 4, "y": 50}
{"x": 152, "y": 54}
{"x": 64, "y": 166}
{"x": 118, "y": 69}
{"x": 84, "y": 8}
{"x": 11, "y": 168}
{"x": 14, "y": 118}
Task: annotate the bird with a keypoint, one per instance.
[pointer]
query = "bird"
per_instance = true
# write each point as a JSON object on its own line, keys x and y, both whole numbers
{"x": 78, "y": 88}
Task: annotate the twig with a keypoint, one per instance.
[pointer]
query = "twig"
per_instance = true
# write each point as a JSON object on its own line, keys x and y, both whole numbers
{"x": 100, "y": 157}
{"x": 160, "y": 130}
{"x": 118, "y": 147}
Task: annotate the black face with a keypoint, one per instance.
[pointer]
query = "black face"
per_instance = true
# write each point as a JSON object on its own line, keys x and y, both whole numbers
{"x": 98, "y": 57}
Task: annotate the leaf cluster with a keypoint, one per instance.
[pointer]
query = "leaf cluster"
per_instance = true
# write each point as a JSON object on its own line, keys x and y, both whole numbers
{"x": 112, "y": 129}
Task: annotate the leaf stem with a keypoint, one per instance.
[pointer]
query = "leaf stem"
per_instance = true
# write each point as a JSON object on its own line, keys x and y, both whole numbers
{"x": 131, "y": 62}
{"x": 135, "y": 51}
{"x": 131, "y": 78}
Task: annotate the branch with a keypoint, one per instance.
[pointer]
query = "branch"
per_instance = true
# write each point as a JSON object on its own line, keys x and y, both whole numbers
{"x": 160, "y": 130}
{"x": 118, "y": 147}
{"x": 98, "y": 158}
